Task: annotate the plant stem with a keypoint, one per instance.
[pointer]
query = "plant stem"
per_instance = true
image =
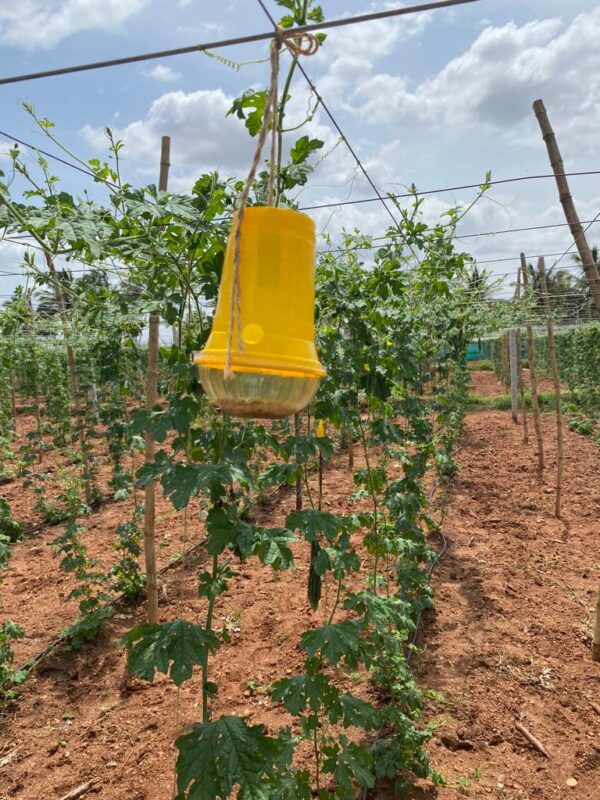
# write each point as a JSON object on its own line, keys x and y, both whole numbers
{"x": 373, "y": 499}
{"x": 317, "y": 759}
{"x": 281, "y": 113}
{"x": 308, "y": 492}
{"x": 208, "y": 628}
{"x": 337, "y": 601}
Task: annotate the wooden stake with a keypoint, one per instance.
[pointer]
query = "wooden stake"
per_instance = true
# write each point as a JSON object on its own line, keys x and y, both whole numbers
{"x": 36, "y": 391}
{"x": 506, "y": 362}
{"x": 151, "y": 401}
{"x": 520, "y": 368}
{"x": 13, "y": 399}
{"x": 350, "y": 449}
{"x": 514, "y": 379}
{"x": 556, "y": 381}
{"x": 532, "y": 740}
{"x": 533, "y": 377}
{"x": 165, "y": 163}
{"x": 596, "y": 640}
{"x": 585, "y": 254}
{"x": 564, "y": 193}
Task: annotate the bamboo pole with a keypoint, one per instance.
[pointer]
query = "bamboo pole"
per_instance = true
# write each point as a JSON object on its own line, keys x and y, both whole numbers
{"x": 535, "y": 406}
{"x": 13, "y": 399}
{"x": 596, "y": 640}
{"x": 350, "y": 449}
{"x": 566, "y": 199}
{"x": 514, "y": 373}
{"x": 585, "y": 254}
{"x": 149, "y": 444}
{"x": 556, "y": 381}
{"x": 36, "y": 391}
{"x": 165, "y": 163}
{"x": 506, "y": 362}
{"x": 520, "y": 368}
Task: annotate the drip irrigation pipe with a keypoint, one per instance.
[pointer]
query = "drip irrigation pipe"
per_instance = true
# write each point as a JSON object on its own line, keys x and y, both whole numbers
{"x": 27, "y": 534}
{"x": 32, "y": 662}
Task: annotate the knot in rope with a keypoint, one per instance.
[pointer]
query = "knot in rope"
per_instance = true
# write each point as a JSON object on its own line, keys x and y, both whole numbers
{"x": 293, "y": 42}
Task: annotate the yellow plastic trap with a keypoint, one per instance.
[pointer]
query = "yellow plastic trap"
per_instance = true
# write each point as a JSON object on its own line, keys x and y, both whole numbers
{"x": 277, "y": 371}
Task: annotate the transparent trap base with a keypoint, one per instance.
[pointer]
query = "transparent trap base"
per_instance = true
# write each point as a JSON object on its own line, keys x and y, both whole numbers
{"x": 254, "y": 394}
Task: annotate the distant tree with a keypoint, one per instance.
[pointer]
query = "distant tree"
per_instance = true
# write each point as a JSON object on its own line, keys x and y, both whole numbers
{"x": 47, "y": 304}
{"x": 569, "y": 294}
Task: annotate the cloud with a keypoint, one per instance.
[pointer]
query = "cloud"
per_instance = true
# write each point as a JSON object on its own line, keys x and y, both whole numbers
{"x": 162, "y": 73}
{"x": 351, "y": 53}
{"x": 202, "y": 136}
{"x": 494, "y": 82}
{"x": 41, "y": 24}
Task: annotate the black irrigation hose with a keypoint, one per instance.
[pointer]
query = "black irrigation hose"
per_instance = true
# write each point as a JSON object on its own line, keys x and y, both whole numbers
{"x": 61, "y": 639}
{"x": 26, "y": 534}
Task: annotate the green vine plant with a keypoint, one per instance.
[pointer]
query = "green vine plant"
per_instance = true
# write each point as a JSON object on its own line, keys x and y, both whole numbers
{"x": 92, "y": 590}
{"x": 393, "y": 333}
{"x": 10, "y": 678}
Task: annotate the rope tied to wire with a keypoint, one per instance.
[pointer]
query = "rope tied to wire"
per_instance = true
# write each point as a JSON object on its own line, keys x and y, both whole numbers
{"x": 294, "y": 43}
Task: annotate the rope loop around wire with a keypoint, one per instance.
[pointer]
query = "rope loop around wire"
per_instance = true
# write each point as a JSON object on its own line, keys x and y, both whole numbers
{"x": 293, "y": 42}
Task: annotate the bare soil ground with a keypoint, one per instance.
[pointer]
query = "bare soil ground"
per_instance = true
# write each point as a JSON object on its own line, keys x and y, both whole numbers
{"x": 510, "y": 639}
{"x": 508, "y": 642}
{"x": 486, "y": 384}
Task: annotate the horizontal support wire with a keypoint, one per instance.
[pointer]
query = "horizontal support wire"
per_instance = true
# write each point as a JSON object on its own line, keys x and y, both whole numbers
{"x": 256, "y": 37}
{"x": 334, "y": 122}
{"x": 335, "y": 204}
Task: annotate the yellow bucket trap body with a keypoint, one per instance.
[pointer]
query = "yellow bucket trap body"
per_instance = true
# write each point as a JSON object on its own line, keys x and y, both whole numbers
{"x": 277, "y": 373}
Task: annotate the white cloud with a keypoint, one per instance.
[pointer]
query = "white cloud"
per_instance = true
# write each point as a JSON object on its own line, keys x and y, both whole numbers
{"x": 495, "y": 81}
{"x": 162, "y": 73}
{"x": 41, "y": 24}
{"x": 202, "y": 137}
{"x": 351, "y": 53}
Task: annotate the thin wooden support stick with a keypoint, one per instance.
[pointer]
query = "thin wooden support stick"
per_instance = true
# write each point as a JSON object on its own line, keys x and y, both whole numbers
{"x": 590, "y": 267}
{"x": 514, "y": 373}
{"x": 535, "y": 406}
{"x": 532, "y": 740}
{"x": 149, "y": 444}
{"x": 299, "y": 478}
{"x": 520, "y": 368}
{"x": 556, "y": 381}
{"x": 506, "y": 363}
{"x": 596, "y": 639}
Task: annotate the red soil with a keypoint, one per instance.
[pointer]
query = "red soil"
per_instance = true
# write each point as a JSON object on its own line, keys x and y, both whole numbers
{"x": 508, "y": 643}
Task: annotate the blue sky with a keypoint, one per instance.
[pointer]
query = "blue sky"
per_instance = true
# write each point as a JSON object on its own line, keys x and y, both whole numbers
{"x": 436, "y": 99}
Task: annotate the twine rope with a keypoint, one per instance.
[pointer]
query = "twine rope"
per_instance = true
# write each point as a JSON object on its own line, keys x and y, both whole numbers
{"x": 294, "y": 43}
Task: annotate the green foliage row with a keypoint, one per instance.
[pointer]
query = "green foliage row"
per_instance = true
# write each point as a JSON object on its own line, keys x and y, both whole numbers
{"x": 393, "y": 333}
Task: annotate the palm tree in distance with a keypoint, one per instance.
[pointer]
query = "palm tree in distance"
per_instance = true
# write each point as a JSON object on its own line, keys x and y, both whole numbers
{"x": 568, "y": 294}
{"x": 47, "y": 304}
